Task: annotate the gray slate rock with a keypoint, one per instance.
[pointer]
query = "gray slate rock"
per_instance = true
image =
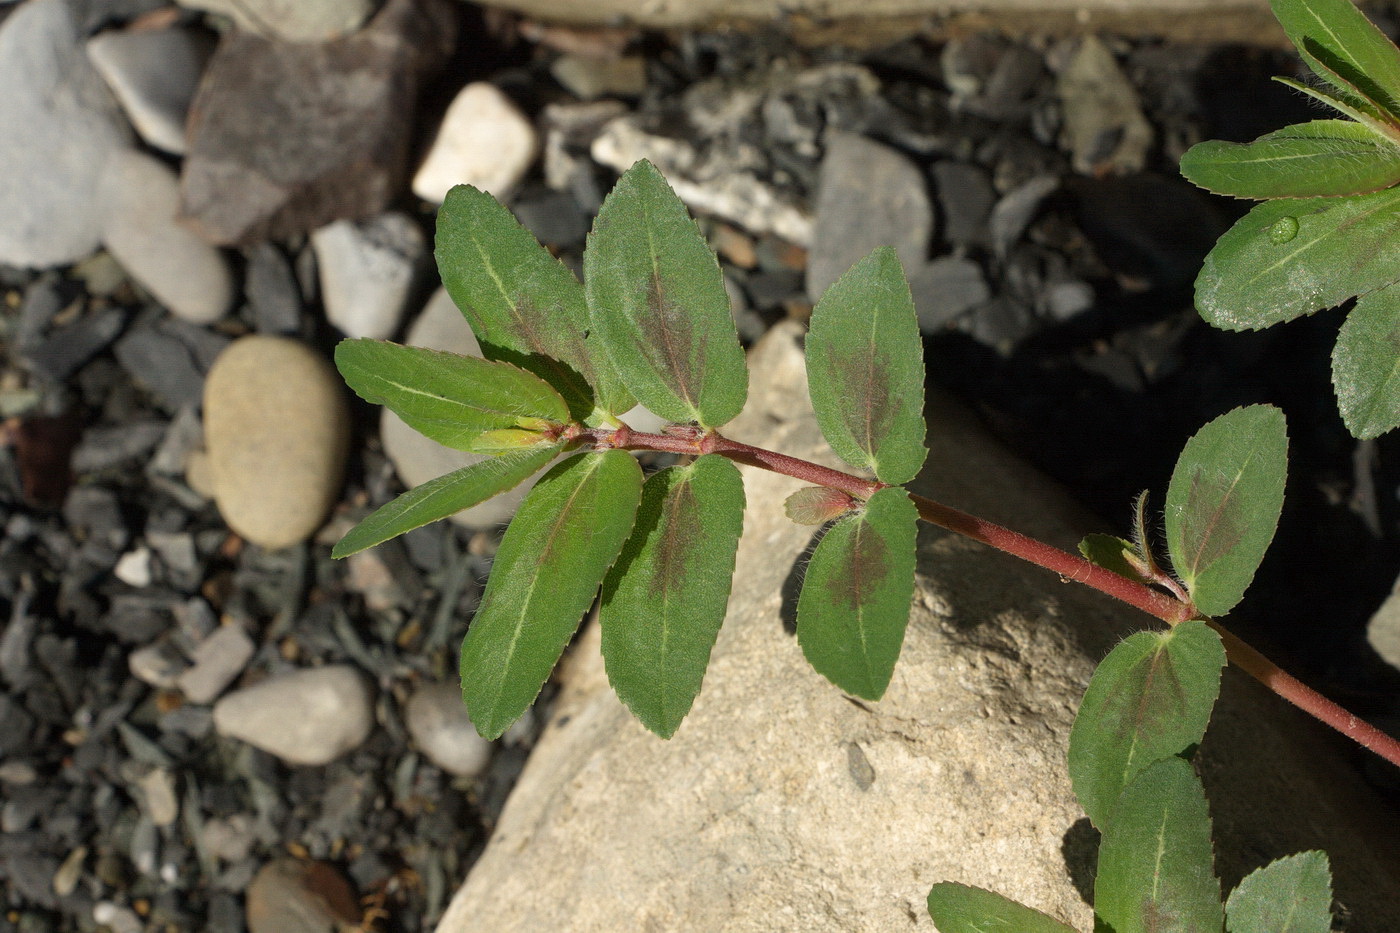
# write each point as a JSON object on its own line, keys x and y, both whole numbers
{"x": 965, "y": 198}
{"x": 945, "y": 289}
{"x": 368, "y": 272}
{"x": 1104, "y": 128}
{"x": 66, "y": 350}
{"x": 270, "y": 288}
{"x": 307, "y": 717}
{"x": 288, "y": 137}
{"x": 61, "y": 126}
{"x": 153, "y": 73}
{"x": 160, "y": 361}
{"x": 138, "y": 201}
{"x": 869, "y": 196}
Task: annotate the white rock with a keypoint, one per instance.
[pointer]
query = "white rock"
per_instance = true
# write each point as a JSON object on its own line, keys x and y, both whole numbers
{"x": 1383, "y": 631}
{"x": 153, "y": 73}
{"x": 158, "y": 664}
{"x": 368, "y": 269}
{"x": 484, "y": 140}
{"x": 116, "y": 918}
{"x": 138, "y": 202}
{"x": 134, "y": 567}
{"x": 217, "y": 659}
{"x": 443, "y": 731}
{"x": 292, "y": 20}
{"x": 308, "y": 717}
{"x": 60, "y": 126}
{"x": 158, "y": 790}
{"x": 588, "y": 77}
{"x": 277, "y": 430}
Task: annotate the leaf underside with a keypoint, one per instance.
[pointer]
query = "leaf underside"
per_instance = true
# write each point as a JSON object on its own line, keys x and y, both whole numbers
{"x": 524, "y": 306}
{"x": 665, "y": 597}
{"x": 959, "y": 908}
{"x": 658, "y": 301}
{"x": 1111, "y": 553}
{"x": 1353, "y": 54}
{"x": 1290, "y": 895}
{"x": 1343, "y": 247}
{"x": 546, "y": 572}
{"x": 1318, "y": 159}
{"x": 1366, "y": 365}
{"x": 450, "y": 398}
{"x": 444, "y": 496}
{"x": 1223, "y": 504}
{"x": 1155, "y": 862}
{"x": 855, "y": 599}
{"x": 865, "y": 369}
{"x": 1151, "y": 698}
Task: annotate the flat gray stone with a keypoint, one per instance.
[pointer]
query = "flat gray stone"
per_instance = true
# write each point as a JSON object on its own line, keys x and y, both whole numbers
{"x": 368, "y": 270}
{"x": 153, "y": 73}
{"x": 869, "y": 196}
{"x": 218, "y": 660}
{"x": 306, "y": 717}
{"x": 780, "y": 804}
{"x": 139, "y": 202}
{"x": 945, "y": 289}
{"x": 1104, "y": 128}
{"x": 61, "y": 125}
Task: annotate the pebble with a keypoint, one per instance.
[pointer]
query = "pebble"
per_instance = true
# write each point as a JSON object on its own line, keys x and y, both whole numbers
{"x": 417, "y": 459}
{"x": 276, "y": 427}
{"x": 139, "y": 200}
{"x": 156, "y": 358}
{"x": 554, "y": 217}
{"x": 286, "y": 137}
{"x": 291, "y": 896}
{"x": 442, "y": 730}
{"x": 1014, "y": 212}
{"x": 116, "y": 918}
{"x": 869, "y": 196}
{"x": 484, "y": 140}
{"x": 134, "y": 567}
{"x": 368, "y": 270}
{"x": 297, "y": 21}
{"x": 1383, "y": 630}
{"x": 588, "y": 77}
{"x": 68, "y": 348}
{"x": 1065, "y": 300}
{"x": 945, "y": 289}
{"x": 270, "y": 288}
{"x": 61, "y": 127}
{"x": 217, "y": 661}
{"x": 306, "y": 717}
{"x": 158, "y": 791}
{"x": 153, "y": 73}
{"x": 1104, "y": 128}
{"x": 966, "y": 198}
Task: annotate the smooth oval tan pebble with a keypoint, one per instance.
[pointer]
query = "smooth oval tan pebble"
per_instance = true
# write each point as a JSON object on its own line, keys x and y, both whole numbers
{"x": 276, "y": 428}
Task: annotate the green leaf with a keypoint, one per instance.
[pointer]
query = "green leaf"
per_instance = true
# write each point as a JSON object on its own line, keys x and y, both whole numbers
{"x": 1333, "y": 36}
{"x": 865, "y": 369}
{"x": 658, "y": 301}
{"x": 1292, "y": 257}
{"x": 1366, "y": 365}
{"x": 664, "y": 599}
{"x": 1150, "y": 699}
{"x": 1321, "y": 158}
{"x": 1223, "y": 504}
{"x": 444, "y": 496}
{"x": 855, "y": 600}
{"x": 1290, "y": 895}
{"x": 958, "y": 908}
{"x": 450, "y": 398}
{"x": 524, "y": 306}
{"x": 1155, "y": 872}
{"x": 566, "y": 534}
{"x": 1112, "y": 553}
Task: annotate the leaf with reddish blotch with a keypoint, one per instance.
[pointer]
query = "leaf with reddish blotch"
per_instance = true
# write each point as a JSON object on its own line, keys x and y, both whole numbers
{"x": 552, "y": 558}
{"x": 855, "y": 599}
{"x": 1155, "y": 862}
{"x": 1149, "y": 699}
{"x": 665, "y": 597}
{"x": 658, "y": 301}
{"x": 1223, "y": 504}
{"x": 865, "y": 369}
{"x": 524, "y": 306}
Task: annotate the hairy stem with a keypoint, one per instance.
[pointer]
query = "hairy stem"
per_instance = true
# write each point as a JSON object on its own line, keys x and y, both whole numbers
{"x": 689, "y": 440}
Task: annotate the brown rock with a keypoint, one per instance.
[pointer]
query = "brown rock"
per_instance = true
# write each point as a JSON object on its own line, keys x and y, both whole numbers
{"x": 782, "y": 805}
{"x": 288, "y": 137}
{"x": 291, "y": 896}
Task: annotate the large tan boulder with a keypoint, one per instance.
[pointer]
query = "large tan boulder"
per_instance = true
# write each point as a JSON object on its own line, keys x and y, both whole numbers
{"x": 783, "y": 805}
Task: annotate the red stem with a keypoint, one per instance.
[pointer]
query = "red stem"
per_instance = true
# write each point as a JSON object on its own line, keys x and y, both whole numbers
{"x": 692, "y": 440}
